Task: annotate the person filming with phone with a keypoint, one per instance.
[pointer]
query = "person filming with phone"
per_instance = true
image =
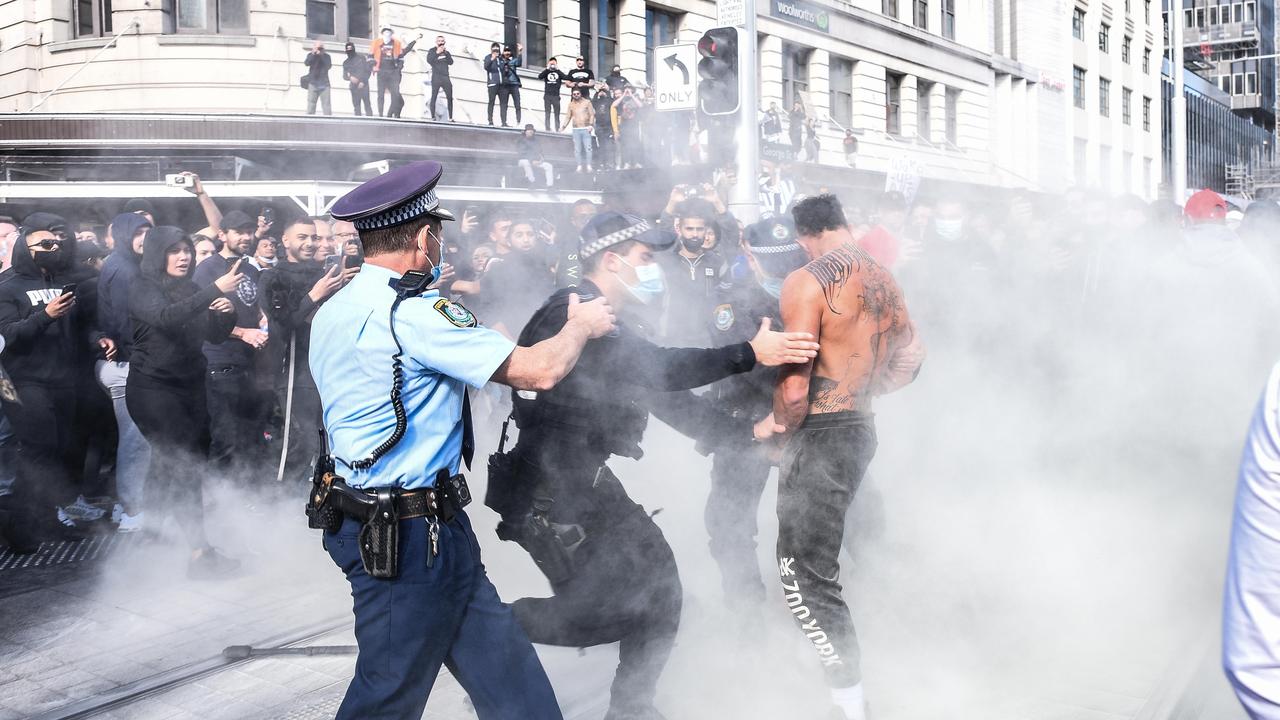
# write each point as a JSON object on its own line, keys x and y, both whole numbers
{"x": 46, "y": 305}
{"x": 290, "y": 293}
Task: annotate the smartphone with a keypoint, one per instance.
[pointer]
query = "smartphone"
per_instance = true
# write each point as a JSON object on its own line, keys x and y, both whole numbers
{"x": 546, "y": 228}
{"x": 268, "y": 215}
{"x": 333, "y": 260}
{"x": 69, "y": 289}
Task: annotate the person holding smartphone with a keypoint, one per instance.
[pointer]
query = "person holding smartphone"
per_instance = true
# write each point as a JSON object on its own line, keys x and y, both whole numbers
{"x": 45, "y": 316}
{"x": 290, "y": 293}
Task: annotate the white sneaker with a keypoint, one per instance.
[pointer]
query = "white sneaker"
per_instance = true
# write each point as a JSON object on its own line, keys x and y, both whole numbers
{"x": 81, "y": 510}
{"x": 117, "y": 511}
{"x": 129, "y": 523}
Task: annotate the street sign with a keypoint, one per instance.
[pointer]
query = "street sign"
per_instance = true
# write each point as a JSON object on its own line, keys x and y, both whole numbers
{"x": 676, "y": 81}
{"x": 730, "y": 13}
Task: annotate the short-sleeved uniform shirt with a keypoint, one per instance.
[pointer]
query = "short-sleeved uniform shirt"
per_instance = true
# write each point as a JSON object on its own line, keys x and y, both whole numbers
{"x": 445, "y": 350}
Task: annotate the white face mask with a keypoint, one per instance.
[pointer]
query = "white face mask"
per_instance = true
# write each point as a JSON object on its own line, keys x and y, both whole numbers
{"x": 386, "y": 35}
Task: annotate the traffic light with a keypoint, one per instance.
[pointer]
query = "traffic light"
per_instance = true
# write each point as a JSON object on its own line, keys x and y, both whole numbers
{"x": 718, "y": 71}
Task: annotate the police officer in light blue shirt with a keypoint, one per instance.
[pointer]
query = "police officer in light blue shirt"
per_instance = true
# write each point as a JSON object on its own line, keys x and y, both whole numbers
{"x": 392, "y": 361}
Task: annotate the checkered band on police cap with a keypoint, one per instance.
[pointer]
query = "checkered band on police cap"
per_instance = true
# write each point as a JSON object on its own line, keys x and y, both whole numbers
{"x": 773, "y": 235}
{"x": 415, "y": 208}
{"x": 605, "y": 241}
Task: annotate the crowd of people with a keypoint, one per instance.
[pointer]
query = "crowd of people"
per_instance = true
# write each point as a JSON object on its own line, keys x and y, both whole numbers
{"x": 143, "y": 359}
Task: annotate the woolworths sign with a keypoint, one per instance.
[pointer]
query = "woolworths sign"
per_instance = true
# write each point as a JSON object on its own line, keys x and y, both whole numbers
{"x": 803, "y": 13}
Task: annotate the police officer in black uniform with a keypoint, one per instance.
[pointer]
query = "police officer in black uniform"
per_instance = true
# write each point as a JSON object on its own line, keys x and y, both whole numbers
{"x": 738, "y": 474}
{"x": 611, "y": 570}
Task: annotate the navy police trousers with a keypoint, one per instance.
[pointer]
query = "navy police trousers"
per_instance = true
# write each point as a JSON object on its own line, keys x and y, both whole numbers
{"x": 447, "y": 614}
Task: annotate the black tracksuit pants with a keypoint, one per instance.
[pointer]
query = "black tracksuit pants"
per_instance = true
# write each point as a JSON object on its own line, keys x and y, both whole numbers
{"x": 360, "y": 98}
{"x": 236, "y": 422}
{"x": 436, "y": 85}
{"x": 304, "y": 435}
{"x": 551, "y": 105}
{"x": 822, "y": 466}
{"x": 50, "y": 450}
{"x": 389, "y": 82}
{"x": 174, "y": 418}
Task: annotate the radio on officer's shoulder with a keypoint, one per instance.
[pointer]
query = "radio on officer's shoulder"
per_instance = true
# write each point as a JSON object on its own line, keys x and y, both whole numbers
{"x": 412, "y": 284}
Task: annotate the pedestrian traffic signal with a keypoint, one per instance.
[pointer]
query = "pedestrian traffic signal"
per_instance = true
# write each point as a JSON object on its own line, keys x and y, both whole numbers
{"x": 718, "y": 71}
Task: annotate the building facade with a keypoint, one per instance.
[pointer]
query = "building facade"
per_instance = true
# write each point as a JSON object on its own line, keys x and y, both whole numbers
{"x": 966, "y": 91}
{"x": 1227, "y": 42}
{"x": 1217, "y": 136}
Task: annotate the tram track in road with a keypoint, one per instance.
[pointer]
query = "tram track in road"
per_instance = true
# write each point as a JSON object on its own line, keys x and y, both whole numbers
{"x": 234, "y": 656}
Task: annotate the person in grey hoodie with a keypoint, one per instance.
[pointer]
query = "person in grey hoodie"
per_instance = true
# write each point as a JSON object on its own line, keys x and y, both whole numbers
{"x": 132, "y": 451}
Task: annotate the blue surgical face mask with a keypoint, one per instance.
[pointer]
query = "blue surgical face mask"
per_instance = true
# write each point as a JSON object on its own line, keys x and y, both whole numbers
{"x": 772, "y": 285}
{"x": 948, "y": 229}
{"x": 435, "y": 269}
{"x": 650, "y": 284}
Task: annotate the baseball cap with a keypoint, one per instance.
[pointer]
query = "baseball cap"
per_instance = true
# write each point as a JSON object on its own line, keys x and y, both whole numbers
{"x": 1205, "y": 205}
{"x": 237, "y": 220}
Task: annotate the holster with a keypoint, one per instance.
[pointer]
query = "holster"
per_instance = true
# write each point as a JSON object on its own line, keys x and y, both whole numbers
{"x": 321, "y": 514}
{"x": 380, "y": 537}
{"x": 551, "y": 545}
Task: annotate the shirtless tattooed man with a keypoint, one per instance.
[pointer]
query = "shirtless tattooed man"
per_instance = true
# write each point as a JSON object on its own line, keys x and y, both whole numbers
{"x": 823, "y": 412}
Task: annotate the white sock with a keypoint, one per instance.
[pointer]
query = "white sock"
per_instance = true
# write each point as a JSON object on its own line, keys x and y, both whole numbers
{"x": 850, "y": 701}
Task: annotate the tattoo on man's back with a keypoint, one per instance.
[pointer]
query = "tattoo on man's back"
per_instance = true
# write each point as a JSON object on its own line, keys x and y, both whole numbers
{"x": 833, "y": 271}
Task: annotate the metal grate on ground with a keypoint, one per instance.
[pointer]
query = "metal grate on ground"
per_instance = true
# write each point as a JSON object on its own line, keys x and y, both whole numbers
{"x": 63, "y": 552}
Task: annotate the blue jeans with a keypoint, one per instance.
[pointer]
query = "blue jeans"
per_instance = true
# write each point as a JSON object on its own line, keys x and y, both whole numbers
{"x": 447, "y": 614}
{"x": 583, "y": 145}
{"x": 133, "y": 454}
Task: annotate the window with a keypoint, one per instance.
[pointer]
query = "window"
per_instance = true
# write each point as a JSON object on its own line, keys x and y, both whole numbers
{"x": 1251, "y": 83}
{"x": 1213, "y": 15}
{"x": 949, "y": 19}
{"x": 893, "y": 103}
{"x": 93, "y": 18}
{"x": 795, "y": 74}
{"x": 1104, "y": 97}
{"x": 1104, "y": 38}
{"x": 1126, "y": 99}
{"x": 1239, "y": 83}
{"x": 924, "y": 111}
{"x": 1146, "y": 114}
{"x": 920, "y": 14}
{"x": 598, "y": 34}
{"x": 1248, "y": 12}
{"x": 1077, "y": 24}
{"x": 213, "y": 16}
{"x": 1077, "y": 86}
{"x": 660, "y": 28}
{"x": 889, "y": 8}
{"x": 1238, "y": 10}
{"x": 1146, "y": 60}
{"x": 1126, "y": 47}
{"x": 1200, "y": 17}
{"x": 1225, "y": 82}
{"x": 841, "y": 81}
{"x": 525, "y": 23}
{"x": 1190, "y": 19}
{"x": 339, "y": 19}
{"x": 952, "y": 107}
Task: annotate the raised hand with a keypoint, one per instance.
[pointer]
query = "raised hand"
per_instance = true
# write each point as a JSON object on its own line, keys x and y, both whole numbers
{"x": 780, "y": 348}
{"x": 231, "y": 279}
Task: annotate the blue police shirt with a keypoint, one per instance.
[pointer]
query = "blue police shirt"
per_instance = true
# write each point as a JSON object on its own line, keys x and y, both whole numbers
{"x": 350, "y": 358}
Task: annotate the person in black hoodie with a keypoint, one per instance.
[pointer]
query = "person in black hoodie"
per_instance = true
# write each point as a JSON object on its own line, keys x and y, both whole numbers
{"x": 171, "y": 317}
{"x": 290, "y": 294}
{"x": 46, "y": 318}
{"x": 356, "y": 70}
{"x": 118, "y": 274}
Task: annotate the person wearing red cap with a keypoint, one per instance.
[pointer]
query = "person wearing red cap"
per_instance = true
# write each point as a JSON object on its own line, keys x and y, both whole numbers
{"x": 1206, "y": 206}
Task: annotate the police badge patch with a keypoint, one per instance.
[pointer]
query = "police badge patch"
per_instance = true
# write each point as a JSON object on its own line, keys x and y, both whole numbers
{"x": 455, "y": 313}
{"x": 724, "y": 317}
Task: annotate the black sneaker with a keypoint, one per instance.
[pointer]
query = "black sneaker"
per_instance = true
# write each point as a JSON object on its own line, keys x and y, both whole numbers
{"x": 210, "y": 564}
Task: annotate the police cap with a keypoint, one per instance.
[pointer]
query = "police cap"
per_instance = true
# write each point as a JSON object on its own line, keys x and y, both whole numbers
{"x": 394, "y": 198}
{"x": 771, "y": 236}
{"x": 608, "y": 228}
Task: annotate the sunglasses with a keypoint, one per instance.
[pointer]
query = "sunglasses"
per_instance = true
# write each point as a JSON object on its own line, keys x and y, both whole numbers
{"x": 48, "y": 243}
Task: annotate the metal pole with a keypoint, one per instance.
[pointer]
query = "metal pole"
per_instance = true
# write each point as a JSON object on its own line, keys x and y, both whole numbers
{"x": 1179, "y": 105}
{"x": 744, "y": 200}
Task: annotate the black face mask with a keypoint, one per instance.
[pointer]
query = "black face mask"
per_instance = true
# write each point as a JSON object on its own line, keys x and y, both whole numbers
{"x": 48, "y": 260}
{"x": 692, "y": 245}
